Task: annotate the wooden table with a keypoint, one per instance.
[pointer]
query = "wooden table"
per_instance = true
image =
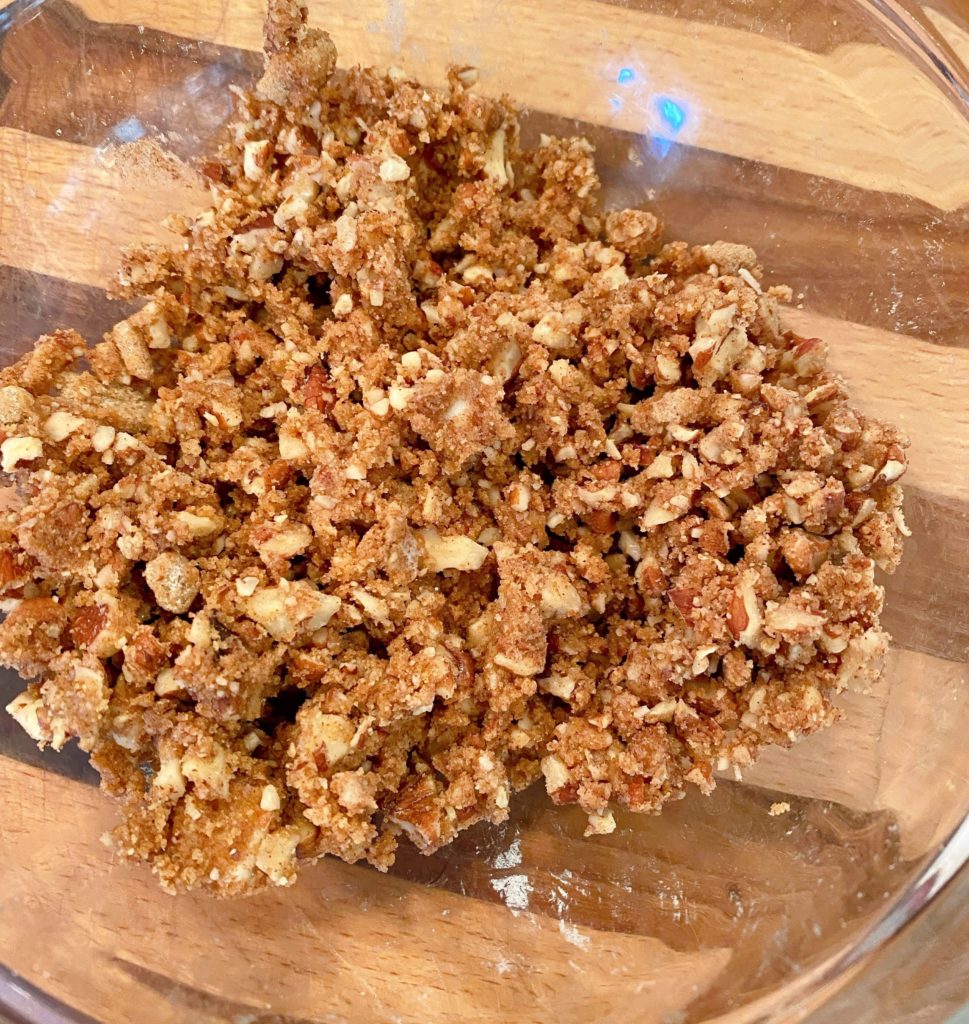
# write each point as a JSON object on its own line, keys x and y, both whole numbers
{"x": 808, "y": 173}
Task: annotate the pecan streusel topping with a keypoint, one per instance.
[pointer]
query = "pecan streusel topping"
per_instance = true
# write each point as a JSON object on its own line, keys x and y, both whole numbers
{"x": 420, "y": 477}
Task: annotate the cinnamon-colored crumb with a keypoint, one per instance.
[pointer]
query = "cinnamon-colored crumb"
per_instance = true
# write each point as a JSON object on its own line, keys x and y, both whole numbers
{"x": 417, "y": 478}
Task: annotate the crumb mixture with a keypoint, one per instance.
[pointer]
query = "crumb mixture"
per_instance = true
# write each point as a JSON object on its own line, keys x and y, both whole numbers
{"x": 420, "y": 477}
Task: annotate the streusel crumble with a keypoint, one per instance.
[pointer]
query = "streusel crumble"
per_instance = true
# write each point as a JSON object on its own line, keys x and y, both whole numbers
{"x": 419, "y": 477}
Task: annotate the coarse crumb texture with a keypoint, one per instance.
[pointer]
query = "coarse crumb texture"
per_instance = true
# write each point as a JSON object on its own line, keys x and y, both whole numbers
{"x": 420, "y": 477}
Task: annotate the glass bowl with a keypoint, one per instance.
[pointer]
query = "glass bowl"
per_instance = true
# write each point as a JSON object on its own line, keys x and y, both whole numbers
{"x": 830, "y": 136}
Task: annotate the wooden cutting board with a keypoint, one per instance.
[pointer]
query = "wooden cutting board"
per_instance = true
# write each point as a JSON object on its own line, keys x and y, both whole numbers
{"x": 529, "y": 922}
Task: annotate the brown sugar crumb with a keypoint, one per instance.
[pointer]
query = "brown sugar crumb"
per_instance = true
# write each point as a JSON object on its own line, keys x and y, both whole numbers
{"x": 420, "y": 477}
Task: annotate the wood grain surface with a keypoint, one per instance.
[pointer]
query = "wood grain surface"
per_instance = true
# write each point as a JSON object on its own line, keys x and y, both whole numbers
{"x": 403, "y": 952}
{"x": 674, "y": 919}
{"x": 103, "y": 83}
{"x": 654, "y": 913}
{"x": 72, "y": 220}
{"x": 559, "y": 936}
{"x": 839, "y": 108}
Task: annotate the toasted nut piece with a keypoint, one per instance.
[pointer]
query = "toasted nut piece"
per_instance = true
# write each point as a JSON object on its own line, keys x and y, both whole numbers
{"x": 209, "y": 771}
{"x": 103, "y": 438}
{"x": 343, "y": 305}
{"x": 198, "y": 527}
{"x": 891, "y": 471}
{"x": 269, "y": 800}
{"x": 19, "y": 449}
{"x": 287, "y": 542}
{"x": 15, "y": 404}
{"x": 560, "y": 599}
{"x": 459, "y": 552}
{"x": 790, "y": 621}
{"x": 661, "y": 468}
{"x": 133, "y": 349}
{"x": 467, "y": 76}
{"x": 744, "y": 617}
{"x": 553, "y": 331}
{"x": 559, "y": 686}
{"x": 174, "y": 581}
{"x": 555, "y": 772}
{"x": 25, "y": 709}
{"x": 276, "y": 856}
{"x": 600, "y": 824}
{"x": 329, "y": 736}
{"x": 287, "y": 607}
{"x": 375, "y": 607}
{"x": 521, "y": 663}
{"x": 167, "y": 683}
{"x": 169, "y": 779}
{"x": 394, "y": 168}
{"x": 658, "y": 514}
{"x": 495, "y": 167}
{"x": 297, "y": 203}
{"x": 660, "y": 712}
{"x": 291, "y": 445}
{"x": 61, "y": 424}
{"x": 255, "y": 158}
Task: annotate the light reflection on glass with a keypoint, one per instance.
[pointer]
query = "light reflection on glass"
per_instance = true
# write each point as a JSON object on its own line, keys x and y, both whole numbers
{"x": 661, "y": 118}
{"x": 128, "y": 130}
{"x": 672, "y": 113}
{"x": 673, "y": 117}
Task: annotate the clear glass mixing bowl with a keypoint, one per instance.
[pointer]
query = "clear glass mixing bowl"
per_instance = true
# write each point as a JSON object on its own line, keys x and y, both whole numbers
{"x": 831, "y": 136}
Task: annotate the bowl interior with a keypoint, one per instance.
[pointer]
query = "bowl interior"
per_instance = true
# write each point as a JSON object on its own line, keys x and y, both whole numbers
{"x": 825, "y": 138}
